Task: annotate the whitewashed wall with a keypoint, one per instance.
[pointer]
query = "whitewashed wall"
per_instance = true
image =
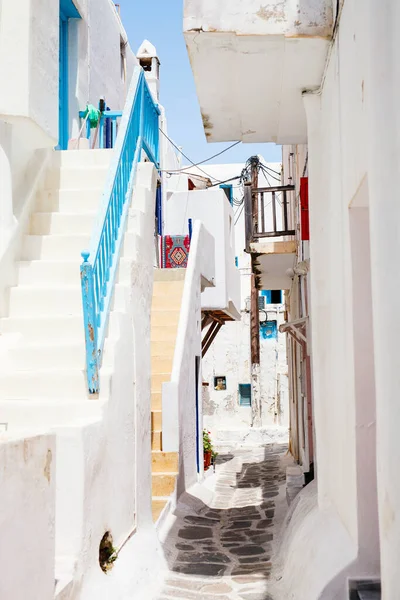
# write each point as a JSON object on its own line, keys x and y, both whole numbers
{"x": 179, "y": 395}
{"x": 29, "y": 103}
{"x": 213, "y": 209}
{"x": 229, "y": 356}
{"x": 27, "y": 515}
{"x": 343, "y": 316}
{"x": 96, "y": 72}
{"x": 230, "y": 352}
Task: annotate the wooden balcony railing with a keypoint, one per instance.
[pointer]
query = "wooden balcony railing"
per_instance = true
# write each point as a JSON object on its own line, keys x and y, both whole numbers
{"x": 268, "y": 213}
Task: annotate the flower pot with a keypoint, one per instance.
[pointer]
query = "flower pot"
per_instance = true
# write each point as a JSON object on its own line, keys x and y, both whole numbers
{"x": 207, "y": 460}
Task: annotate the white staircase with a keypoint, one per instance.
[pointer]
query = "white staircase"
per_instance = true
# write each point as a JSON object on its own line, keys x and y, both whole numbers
{"x": 42, "y": 348}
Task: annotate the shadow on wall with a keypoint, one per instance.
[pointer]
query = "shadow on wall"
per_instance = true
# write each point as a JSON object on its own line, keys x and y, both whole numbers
{"x": 233, "y": 542}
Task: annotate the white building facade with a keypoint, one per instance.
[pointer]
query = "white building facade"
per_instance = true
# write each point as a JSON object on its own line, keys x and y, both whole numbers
{"x": 96, "y": 443}
{"x": 337, "y": 121}
{"x": 229, "y": 412}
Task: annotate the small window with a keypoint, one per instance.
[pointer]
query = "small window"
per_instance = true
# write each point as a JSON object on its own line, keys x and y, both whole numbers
{"x": 272, "y": 296}
{"x": 261, "y": 302}
{"x": 220, "y": 383}
{"x": 244, "y": 394}
{"x": 228, "y": 189}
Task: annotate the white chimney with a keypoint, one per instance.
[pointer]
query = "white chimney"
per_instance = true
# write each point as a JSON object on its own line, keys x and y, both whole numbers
{"x": 149, "y": 61}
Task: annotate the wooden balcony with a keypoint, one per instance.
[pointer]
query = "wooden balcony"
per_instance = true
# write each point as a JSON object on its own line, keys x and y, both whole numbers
{"x": 271, "y": 234}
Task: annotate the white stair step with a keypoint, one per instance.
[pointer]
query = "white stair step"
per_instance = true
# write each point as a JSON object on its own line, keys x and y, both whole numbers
{"x": 69, "y": 201}
{"x": 79, "y": 158}
{"x": 69, "y": 328}
{"x": 31, "y": 356}
{"x": 50, "y": 384}
{"x": 63, "y": 356}
{"x": 72, "y": 178}
{"x": 53, "y": 247}
{"x": 26, "y": 300}
{"x": 32, "y": 301}
{"x": 44, "y": 223}
{"x": 68, "y": 247}
{"x": 41, "y": 413}
{"x": 44, "y": 272}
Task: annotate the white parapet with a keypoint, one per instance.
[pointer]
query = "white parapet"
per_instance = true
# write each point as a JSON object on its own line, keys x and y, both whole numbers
{"x": 27, "y": 516}
{"x": 252, "y": 61}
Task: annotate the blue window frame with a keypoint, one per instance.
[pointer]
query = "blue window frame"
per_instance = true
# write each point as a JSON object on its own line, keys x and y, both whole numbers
{"x": 245, "y": 394}
{"x": 68, "y": 11}
{"x": 228, "y": 189}
{"x": 272, "y": 296}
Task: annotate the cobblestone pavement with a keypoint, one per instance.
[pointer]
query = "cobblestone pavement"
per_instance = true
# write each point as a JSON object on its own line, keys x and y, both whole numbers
{"x": 224, "y": 551}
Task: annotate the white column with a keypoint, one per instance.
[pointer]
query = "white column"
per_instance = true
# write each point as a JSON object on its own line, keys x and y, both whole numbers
{"x": 6, "y": 201}
{"x": 383, "y": 97}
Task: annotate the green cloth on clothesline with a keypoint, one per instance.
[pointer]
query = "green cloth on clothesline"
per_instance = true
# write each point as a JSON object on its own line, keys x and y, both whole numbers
{"x": 93, "y": 114}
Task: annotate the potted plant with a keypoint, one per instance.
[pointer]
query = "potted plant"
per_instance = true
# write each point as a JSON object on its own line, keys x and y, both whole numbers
{"x": 208, "y": 449}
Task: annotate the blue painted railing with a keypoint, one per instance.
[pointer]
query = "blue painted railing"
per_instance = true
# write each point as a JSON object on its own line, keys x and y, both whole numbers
{"x": 138, "y": 132}
{"x": 108, "y": 123}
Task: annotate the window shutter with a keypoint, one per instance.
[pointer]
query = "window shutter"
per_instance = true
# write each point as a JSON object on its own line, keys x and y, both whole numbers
{"x": 245, "y": 394}
{"x": 305, "y": 221}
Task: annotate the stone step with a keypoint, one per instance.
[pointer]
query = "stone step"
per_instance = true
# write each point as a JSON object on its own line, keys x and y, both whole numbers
{"x": 163, "y": 484}
{"x": 157, "y": 379}
{"x": 156, "y": 401}
{"x": 161, "y": 364}
{"x": 157, "y": 506}
{"x": 156, "y": 420}
{"x": 169, "y": 274}
{"x": 168, "y": 287}
{"x": 163, "y": 316}
{"x": 156, "y": 440}
{"x": 164, "y": 462}
{"x": 165, "y": 332}
{"x": 164, "y": 349}
{"x": 168, "y": 301}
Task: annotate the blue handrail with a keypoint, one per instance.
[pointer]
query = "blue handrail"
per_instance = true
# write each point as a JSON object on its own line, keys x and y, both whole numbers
{"x": 111, "y": 116}
{"x": 138, "y": 131}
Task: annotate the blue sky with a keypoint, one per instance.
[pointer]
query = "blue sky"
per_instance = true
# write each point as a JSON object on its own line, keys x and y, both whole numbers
{"x": 160, "y": 21}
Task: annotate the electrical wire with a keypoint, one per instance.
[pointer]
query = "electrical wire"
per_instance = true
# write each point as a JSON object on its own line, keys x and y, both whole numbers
{"x": 272, "y": 171}
{"x": 236, "y": 220}
{"x": 196, "y": 164}
{"x": 207, "y": 159}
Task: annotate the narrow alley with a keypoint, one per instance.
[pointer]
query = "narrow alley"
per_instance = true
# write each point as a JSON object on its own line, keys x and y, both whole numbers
{"x": 225, "y": 550}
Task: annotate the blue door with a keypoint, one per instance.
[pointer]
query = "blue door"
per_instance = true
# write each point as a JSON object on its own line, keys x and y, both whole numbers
{"x": 63, "y": 82}
{"x": 68, "y": 11}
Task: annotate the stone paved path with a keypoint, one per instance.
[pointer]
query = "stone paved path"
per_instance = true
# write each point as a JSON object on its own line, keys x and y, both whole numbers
{"x": 224, "y": 551}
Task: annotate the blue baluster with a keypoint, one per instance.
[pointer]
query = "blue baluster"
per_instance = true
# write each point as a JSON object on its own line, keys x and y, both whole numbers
{"x": 114, "y": 131}
{"x": 101, "y": 133}
{"x": 139, "y": 131}
{"x": 90, "y": 325}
